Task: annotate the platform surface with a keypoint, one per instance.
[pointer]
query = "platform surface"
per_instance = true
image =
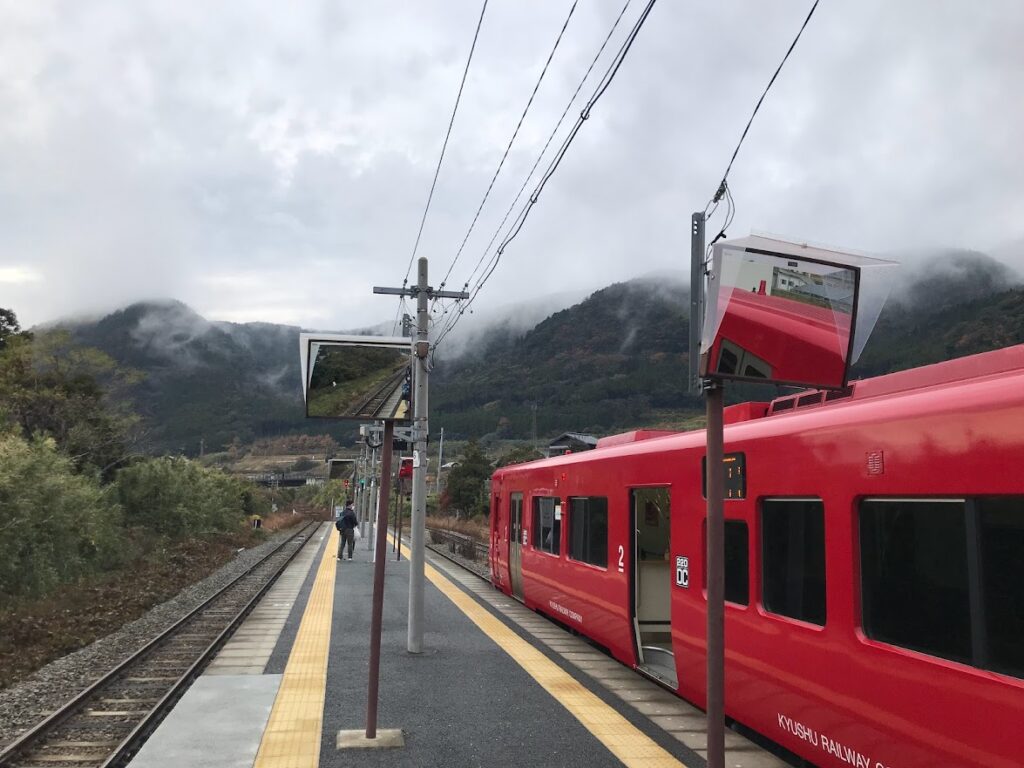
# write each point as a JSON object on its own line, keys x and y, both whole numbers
{"x": 497, "y": 685}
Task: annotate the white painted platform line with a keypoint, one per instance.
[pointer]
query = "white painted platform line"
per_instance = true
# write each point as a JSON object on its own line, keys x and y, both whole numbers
{"x": 250, "y": 648}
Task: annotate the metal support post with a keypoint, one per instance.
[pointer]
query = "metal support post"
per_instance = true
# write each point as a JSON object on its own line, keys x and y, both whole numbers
{"x": 417, "y": 527}
{"x": 372, "y": 496}
{"x": 696, "y": 297}
{"x": 421, "y": 371}
{"x": 440, "y": 463}
{"x": 716, "y": 576}
{"x": 378, "y": 583}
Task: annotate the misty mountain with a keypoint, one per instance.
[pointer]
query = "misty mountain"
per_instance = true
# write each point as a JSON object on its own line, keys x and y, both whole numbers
{"x": 209, "y": 381}
{"x": 616, "y": 360}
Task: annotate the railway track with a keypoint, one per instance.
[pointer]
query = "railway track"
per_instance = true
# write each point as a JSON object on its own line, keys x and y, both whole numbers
{"x": 464, "y": 551}
{"x": 381, "y": 397}
{"x": 107, "y": 722}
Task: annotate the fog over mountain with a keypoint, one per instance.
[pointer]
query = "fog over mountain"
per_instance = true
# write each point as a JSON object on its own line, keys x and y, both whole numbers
{"x": 615, "y": 359}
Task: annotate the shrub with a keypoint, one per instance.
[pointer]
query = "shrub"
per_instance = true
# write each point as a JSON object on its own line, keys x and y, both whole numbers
{"x": 55, "y": 525}
{"x": 177, "y": 497}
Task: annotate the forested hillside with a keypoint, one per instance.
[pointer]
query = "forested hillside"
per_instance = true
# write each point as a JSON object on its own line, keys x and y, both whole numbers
{"x": 616, "y": 360}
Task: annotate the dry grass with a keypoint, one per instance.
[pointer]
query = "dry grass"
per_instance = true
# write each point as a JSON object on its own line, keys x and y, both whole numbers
{"x": 478, "y": 529}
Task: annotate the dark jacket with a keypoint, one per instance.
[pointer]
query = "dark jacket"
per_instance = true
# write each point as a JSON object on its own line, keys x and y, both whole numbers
{"x": 347, "y": 521}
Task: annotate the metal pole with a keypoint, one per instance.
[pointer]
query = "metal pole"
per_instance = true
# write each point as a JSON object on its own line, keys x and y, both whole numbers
{"x": 378, "y": 583}
{"x": 398, "y": 522}
{"x": 716, "y": 577}
{"x": 440, "y": 463}
{"x": 372, "y": 496}
{"x": 417, "y": 532}
{"x": 696, "y": 296}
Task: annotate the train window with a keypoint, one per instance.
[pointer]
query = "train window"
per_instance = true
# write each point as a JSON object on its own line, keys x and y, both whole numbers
{"x": 793, "y": 558}
{"x": 914, "y": 575}
{"x": 547, "y": 524}
{"x": 515, "y": 517}
{"x": 737, "y": 561}
{"x": 1001, "y": 533}
{"x": 737, "y": 571}
{"x": 588, "y": 530}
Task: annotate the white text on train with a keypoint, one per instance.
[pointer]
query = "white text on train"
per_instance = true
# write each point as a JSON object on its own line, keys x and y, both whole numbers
{"x": 565, "y": 611}
{"x": 827, "y": 745}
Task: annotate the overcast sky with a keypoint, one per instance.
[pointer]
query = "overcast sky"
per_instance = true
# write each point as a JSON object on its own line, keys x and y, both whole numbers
{"x": 270, "y": 161}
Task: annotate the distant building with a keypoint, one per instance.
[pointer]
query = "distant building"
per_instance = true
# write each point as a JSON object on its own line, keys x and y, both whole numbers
{"x": 571, "y": 442}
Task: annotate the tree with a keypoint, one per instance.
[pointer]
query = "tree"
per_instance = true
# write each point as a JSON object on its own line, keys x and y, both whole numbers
{"x": 177, "y": 497}
{"x": 519, "y": 455}
{"x": 467, "y": 482}
{"x": 55, "y": 525}
{"x": 9, "y": 327}
{"x": 50, "y": 386}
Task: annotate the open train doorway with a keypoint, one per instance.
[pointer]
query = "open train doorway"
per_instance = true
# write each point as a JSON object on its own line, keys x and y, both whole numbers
{"x": 651, "y": 518}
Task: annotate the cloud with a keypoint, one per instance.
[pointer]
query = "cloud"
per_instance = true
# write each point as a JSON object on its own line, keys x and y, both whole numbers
{"x": 263, "y": 162}
{"x": 19, "y": 274}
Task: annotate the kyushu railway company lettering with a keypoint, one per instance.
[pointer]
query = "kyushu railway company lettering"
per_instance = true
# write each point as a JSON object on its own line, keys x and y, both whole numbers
{"x": 825, "y": 744}
{"x": 565, "y": 611}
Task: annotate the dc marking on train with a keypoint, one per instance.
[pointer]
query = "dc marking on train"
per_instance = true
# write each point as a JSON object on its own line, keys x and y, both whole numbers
{"x": 682, "y": 572}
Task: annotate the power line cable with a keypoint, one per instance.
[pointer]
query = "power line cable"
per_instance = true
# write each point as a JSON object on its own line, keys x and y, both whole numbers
{"x": 447, "y": 136}
{"x": 517, "y": 225}
{"x": 725, "y": 176}
{"x": 444, "y": 146}
{"x": 551, "y": 138}
{"x": 508, "y": 148}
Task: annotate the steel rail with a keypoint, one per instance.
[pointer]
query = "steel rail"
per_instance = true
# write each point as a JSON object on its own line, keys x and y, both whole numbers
{"x": 381, "y": 392}
{"x": 29, "y": 738}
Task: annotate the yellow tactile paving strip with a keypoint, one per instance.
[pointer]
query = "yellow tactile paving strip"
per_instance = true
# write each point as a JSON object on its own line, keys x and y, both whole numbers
{"x": 627, "y": 742}
{"x": 292, "y": 737}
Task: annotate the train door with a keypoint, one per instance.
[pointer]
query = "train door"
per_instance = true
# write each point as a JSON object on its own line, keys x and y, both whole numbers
{"x": 651, "y": 517}
{"x": 516, "y": 540}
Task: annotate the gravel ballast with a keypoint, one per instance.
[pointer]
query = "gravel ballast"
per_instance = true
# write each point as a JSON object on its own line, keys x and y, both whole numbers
{"x": 26, "y": 703}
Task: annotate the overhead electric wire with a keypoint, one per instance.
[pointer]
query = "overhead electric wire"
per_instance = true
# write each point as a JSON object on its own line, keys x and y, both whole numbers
{"x": 551, "y": 138}
{"x": 508, "y": 148}
{"x": 520, "y": 220}
{"x": 725, "y": 176}
{"x": 444, "y": 147}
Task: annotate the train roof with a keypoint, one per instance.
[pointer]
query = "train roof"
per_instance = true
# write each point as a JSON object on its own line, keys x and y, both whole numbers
{"x": 987, "y": 365}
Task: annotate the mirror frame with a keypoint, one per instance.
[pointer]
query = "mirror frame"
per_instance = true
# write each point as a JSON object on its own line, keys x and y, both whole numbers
{"x": 307, "y": 340}
{"x": 744, "y": 247}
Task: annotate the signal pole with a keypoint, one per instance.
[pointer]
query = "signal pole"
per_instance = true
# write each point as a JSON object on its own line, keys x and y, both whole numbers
{"x": 421, "y": 375}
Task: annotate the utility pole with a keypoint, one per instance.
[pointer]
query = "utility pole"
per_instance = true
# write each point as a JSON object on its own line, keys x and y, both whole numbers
{"x": 421, "y": 373}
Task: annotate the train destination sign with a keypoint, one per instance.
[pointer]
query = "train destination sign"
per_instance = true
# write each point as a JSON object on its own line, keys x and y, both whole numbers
{"x": 358, "y": 378}
{"x": 782, "y": 312}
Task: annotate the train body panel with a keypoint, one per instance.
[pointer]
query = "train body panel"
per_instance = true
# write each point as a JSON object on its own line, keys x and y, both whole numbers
{"x": 879, "y": 481}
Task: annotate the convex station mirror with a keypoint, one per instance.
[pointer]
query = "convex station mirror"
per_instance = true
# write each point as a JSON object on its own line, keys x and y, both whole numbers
{"x": 783, "y": 313}
{"x": 359, "y": 378}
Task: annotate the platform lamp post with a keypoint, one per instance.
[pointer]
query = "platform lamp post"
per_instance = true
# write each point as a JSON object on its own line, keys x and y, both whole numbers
{"x": 356, "y": 378}
{"x": 774, "y": 312}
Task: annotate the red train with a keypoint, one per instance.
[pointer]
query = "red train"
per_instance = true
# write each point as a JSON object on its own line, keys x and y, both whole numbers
{"x": 874, "y": 563}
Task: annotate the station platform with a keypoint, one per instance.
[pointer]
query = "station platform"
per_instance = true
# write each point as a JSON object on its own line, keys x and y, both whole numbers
{"x": 497, "y": 684}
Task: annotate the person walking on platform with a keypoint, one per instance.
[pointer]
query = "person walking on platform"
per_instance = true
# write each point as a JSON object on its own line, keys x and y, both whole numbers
{"x": 346, "y": 525}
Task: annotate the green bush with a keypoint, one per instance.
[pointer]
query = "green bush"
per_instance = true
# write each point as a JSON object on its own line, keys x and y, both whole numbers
{"x": 176, "y": 497}
{"x": 55, "y": 525}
